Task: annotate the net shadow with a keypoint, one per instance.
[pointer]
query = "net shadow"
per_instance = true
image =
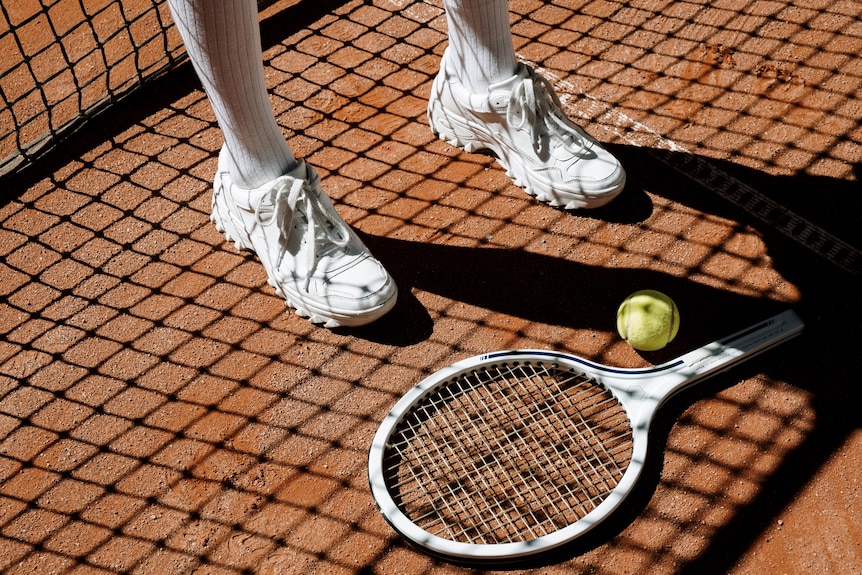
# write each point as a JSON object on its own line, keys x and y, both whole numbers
{"x": 161, "y": 411}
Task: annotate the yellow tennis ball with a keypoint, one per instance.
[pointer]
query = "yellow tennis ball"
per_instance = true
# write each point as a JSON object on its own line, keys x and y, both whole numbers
{"x": 648, "y": 320}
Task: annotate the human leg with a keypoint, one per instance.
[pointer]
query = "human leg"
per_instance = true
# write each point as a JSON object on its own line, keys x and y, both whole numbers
{"x": 263, "y": 198}
{"x": 478, "y": 102}
{"x": 480, "y": 42}
{"x": 222, "y": 40}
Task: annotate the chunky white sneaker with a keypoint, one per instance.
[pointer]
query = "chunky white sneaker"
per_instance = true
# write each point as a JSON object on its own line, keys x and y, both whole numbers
{"x": 521, "y": 121}
{"x": 314, "y": 260}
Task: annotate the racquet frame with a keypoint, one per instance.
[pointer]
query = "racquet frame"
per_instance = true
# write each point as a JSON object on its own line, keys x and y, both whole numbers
{"x": 640, "y": 391}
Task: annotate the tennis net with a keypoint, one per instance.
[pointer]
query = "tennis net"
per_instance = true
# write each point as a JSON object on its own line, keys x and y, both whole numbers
{"x": 62, "y": 62}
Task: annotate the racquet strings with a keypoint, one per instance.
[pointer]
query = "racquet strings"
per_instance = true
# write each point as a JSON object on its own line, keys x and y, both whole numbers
{"x": 508, "y": 452}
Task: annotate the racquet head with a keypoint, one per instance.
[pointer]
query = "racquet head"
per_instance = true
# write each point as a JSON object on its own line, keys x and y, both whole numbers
{"x": 507, "y": 455}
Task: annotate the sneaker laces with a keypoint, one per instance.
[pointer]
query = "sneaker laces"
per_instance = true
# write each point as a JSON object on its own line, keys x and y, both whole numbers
{"x": 534, "y": 104}
{"x": 291, "y": 198}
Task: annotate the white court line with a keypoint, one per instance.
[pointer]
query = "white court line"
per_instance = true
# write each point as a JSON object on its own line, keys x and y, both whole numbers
{"x": 802, "y": 231}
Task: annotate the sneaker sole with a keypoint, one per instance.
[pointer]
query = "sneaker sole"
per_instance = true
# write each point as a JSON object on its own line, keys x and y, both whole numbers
{"x": 327, "y": 317}
{"x": 446, "y": 126}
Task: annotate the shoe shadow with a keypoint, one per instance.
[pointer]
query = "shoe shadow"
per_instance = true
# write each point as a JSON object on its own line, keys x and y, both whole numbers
{"x": 544, "y": 290}
{"x": 558, "y": 292}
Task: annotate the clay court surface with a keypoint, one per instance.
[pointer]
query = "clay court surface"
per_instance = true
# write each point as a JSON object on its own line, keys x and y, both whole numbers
{"x": 162, "y": 411}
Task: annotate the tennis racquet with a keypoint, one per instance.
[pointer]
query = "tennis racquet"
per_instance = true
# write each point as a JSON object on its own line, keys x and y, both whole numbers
{"x": 507, "y": 455}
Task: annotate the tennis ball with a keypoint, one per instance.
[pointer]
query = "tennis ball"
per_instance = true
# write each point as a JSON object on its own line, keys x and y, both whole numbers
{"x": 648, "y": 320}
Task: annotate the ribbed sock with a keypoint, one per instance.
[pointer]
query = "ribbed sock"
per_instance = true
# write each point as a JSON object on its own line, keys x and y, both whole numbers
{"x": 480, "y": 42}
{"x": 222, "y": 39}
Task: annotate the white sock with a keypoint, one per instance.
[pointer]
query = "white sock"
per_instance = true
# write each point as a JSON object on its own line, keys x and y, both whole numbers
{"x": 480, "y": 42}
{"x": 222, "y": 39}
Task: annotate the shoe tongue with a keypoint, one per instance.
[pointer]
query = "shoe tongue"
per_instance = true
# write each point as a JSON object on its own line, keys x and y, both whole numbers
{"x": 299, "y": 171}
{"x": 260, "y": 198}
{"x": 265, "y": 193}
{"x": 509, "y": 83}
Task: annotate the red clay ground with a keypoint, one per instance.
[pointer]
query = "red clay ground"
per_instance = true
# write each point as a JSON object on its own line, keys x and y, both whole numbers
{"x": 163, "y": 412}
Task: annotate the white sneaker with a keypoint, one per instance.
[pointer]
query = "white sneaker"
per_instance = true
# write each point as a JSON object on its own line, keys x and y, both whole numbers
{"x": 314, "y": 260}
{"x": 522, "y": 123}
